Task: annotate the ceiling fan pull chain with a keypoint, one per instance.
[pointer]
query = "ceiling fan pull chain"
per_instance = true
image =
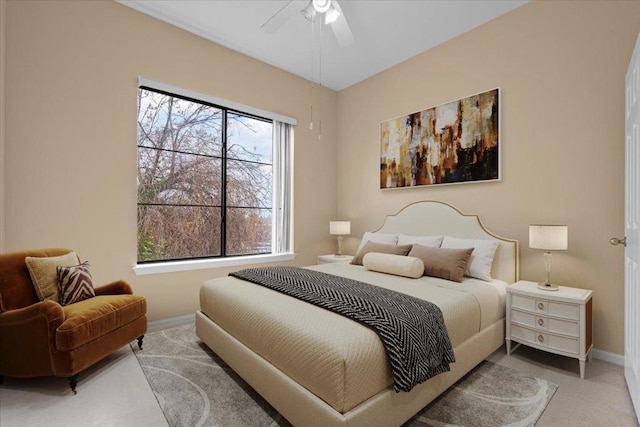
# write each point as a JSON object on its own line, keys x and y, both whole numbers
{"x": 312, "y": 77}
{"x": 320, "y": 83}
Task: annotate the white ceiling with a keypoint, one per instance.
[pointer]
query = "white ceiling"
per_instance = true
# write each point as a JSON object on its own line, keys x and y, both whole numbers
{"x": 386, "y": 32}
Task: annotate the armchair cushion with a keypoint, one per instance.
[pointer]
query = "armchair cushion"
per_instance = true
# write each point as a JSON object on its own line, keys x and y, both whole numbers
{"x": 75, "y": 283}
{"x": 95, "y": 317}
{"x": 44, "y": 276}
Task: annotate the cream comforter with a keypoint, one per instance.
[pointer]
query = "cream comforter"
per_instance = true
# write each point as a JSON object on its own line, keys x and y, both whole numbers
{"x": 339, "y": 360}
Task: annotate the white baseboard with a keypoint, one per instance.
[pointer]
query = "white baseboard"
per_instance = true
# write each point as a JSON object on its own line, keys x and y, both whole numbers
{"x": 159, "y": 325}
{"x": 616, "y": 359}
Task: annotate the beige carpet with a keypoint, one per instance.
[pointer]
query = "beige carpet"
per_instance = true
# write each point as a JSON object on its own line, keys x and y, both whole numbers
{"x": 490, "y": 395}
{"x": 196, "y": 388}
{"x": 600, "y": 399}
{"x": 116, "y": 393}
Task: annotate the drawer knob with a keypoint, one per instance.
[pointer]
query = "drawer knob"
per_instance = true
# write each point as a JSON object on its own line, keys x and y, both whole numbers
{"x": 540, "y": 322}
{"x": 540, "y": 306}
{"x": 540, "y": 338}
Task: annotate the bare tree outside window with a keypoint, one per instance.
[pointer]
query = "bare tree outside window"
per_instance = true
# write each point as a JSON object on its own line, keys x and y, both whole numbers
{"x": 204, "y": 180}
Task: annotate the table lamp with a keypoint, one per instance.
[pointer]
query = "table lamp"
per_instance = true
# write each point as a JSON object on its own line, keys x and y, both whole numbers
{"x": 548, "y": 238}
{"x": 340, "y": 228}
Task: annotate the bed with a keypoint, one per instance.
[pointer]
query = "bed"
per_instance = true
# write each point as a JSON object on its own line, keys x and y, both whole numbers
{"x": 318, "y": 368}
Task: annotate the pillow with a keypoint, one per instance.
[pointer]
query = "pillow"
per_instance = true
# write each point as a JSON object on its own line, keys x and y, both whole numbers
{"x": 431, "y": 241}
{"x": 449, "y": 264}
{"x": 43, "y": 273}
{"x": 382, "y": 248}
{"x": 398, "y": 265}
{"x": 387, "y": 239}
{"x": 75, "y": 283}
{"x": 481, "y": 259}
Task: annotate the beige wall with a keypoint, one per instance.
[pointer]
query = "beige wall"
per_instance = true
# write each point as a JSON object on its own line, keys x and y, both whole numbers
{"x": 561, "y": 68}
{"x": 3, "y": 15}
{"x": 70, "y": 127}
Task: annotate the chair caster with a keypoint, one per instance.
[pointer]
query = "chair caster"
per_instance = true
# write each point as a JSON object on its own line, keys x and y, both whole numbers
{"x": 73, "y": 382}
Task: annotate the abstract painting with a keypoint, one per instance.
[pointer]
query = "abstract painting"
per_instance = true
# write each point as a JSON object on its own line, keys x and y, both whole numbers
{"x": 452, "y": 143}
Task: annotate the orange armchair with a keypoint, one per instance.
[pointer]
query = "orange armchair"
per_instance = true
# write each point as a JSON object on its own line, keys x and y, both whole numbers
{"x": 42, "y": 338}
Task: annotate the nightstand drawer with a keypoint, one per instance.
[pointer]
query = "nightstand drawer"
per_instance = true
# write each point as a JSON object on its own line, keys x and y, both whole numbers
{"x": 569, "y": 345}
{"x": 541, "y": 339}
{"x": 542, "y": 323}
{"x": 525, "y": 303}
{"x": 524, "y": 334}
{"x": 568, "y": 311}
{"x": 543, "y": 306}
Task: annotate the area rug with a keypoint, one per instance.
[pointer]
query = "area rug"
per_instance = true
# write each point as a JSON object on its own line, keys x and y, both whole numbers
{"x": 194, "y": 387}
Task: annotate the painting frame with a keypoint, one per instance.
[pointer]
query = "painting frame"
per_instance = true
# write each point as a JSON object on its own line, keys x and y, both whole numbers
{"x": 457, "y": 142}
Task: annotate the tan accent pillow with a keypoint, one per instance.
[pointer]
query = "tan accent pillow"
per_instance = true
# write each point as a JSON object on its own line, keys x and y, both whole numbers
{"x": 380, "y": 247}
{"x": 397, "y": 265}
{"x": 449, "y": 264}
{"x": 44, "y": 274}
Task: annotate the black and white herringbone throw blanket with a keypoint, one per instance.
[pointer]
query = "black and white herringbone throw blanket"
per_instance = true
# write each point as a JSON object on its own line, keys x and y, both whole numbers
{"x": 412, "y": 330}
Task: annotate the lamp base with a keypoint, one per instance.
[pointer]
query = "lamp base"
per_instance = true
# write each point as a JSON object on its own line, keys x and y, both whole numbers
{"x": 548, "y": 287}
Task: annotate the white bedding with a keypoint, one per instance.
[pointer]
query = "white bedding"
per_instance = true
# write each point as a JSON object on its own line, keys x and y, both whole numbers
{"x": 339, "y": 360}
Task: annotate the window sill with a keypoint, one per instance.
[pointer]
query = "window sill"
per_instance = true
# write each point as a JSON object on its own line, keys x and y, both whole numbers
{"x": 199, "y": 264}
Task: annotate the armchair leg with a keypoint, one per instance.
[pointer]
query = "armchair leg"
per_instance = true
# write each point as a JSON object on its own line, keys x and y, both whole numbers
{"x": 1, "y": 379}
{"x": 140, "y": 341}
{"x": 73, "y": 382}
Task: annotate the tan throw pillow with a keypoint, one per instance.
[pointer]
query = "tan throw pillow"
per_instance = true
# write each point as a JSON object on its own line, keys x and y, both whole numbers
{"x": 397, "y": 265}
{"x": 44, "y": 275}
{"x": 449, "y": 264}
{"x": 75, "y": 283}
{"x": 381, "y": 248}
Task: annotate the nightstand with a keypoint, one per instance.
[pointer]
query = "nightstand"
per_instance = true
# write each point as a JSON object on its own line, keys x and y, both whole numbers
{"x": 325, "y": 259}
{"x": 555, "y": 321}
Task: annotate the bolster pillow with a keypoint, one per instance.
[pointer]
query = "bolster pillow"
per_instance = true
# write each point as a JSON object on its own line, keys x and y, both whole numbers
{"x": 398, "y": 265}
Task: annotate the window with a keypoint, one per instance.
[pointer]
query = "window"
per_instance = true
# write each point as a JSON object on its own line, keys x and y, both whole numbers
{"x": 213, "y": 181}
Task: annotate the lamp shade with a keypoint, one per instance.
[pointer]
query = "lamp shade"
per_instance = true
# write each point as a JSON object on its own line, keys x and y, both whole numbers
{"x": 340, "y": 228}
{"x": 549, "y": 237}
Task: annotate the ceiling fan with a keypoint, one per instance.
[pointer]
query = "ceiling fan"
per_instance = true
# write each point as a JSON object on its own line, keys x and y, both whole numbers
{"x": 328, "y": 10}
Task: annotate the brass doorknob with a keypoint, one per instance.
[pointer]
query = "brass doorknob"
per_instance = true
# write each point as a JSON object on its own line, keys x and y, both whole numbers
{"x": 615, "y": 241}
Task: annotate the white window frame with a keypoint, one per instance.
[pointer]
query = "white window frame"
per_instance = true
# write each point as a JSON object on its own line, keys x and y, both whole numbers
{"x": 282, "y": 220}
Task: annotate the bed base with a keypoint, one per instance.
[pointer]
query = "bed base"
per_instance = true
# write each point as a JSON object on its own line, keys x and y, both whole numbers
{"x": 301, "y": 407}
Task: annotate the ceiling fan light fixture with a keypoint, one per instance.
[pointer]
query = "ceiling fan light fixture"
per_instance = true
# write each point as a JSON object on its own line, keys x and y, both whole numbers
{"x": 331, "y": 16}
{"x": 309, "y": 12}
{"x": 321, "y": 6}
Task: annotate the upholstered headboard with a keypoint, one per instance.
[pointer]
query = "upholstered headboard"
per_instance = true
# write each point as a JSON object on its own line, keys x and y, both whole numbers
{"x": 428, "y": 218}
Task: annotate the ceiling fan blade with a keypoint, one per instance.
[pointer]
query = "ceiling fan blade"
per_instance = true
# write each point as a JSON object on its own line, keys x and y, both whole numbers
{"x": 341, "y": 28}
{"x": 280, "y": 17}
